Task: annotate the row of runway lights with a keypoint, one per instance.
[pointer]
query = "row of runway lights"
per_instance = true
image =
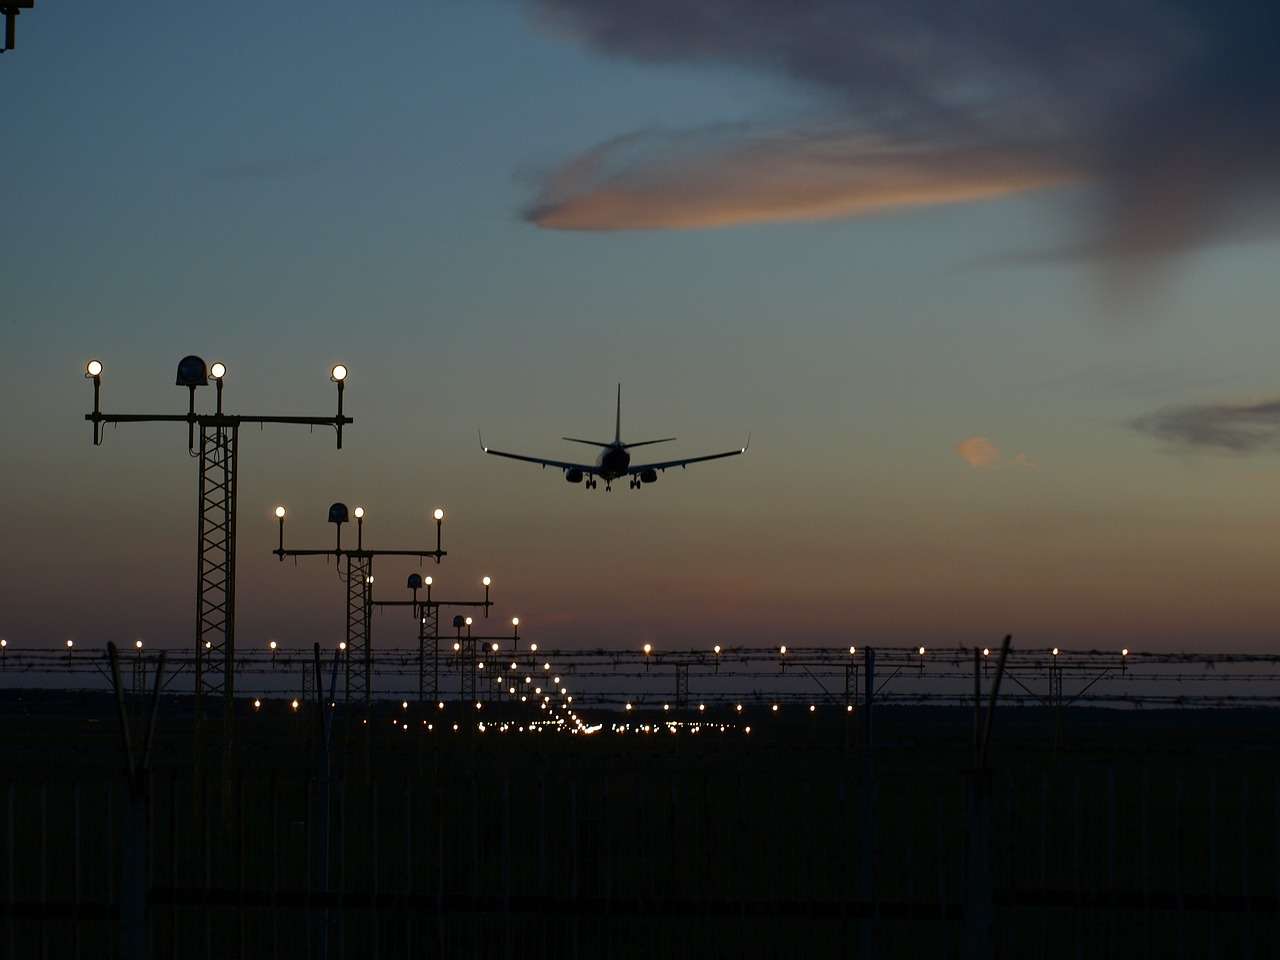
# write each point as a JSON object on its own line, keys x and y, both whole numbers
{"x": 647, "y": 649}
{"x": 533, "y": 647}
{"x": 579, "y": 726}
{"x": 545, "y": 703}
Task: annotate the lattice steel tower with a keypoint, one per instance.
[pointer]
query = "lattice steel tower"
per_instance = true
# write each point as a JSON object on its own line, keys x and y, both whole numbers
{"x": 218, "y": 454}
{"x": 358, "y": 575}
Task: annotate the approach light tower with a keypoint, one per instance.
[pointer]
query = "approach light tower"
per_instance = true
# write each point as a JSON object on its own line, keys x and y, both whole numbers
{"x": 359, "y": 578}
{"x": 216, "y": 552}
{"x": 10, "y": 9}
{"x": 427, "y": 614}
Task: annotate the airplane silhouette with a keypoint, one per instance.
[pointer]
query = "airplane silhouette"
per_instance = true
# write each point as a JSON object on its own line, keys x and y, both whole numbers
{"x": 614, "y": 461}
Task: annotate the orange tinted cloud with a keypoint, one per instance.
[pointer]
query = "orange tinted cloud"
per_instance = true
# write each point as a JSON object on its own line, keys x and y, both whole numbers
{"x": 726, "y": 177}
{"x": 978, "y": 452}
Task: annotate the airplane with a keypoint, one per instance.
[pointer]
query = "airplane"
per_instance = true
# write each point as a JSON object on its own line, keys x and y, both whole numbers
{"x": 614, "y": 461}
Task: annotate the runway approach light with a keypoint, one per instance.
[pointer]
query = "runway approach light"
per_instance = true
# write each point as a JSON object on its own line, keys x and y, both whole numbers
{"x": 93, "y": 369}
{"x": 280, "y": 513}
{"x": 486, "y": 581}
{"x": 339, "y": 373}
{"x": 218, "y": 370}
{"x": 515, "y": 621}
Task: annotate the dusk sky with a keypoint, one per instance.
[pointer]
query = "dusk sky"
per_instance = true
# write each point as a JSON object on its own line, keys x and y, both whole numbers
{"x": 991, "y": 286}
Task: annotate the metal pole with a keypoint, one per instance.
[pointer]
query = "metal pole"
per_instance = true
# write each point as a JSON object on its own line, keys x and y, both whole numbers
{"x": 869, "y": 693}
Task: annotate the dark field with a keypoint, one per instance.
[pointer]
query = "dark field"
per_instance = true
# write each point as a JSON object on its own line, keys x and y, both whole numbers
{"x": 1113, "y": 833}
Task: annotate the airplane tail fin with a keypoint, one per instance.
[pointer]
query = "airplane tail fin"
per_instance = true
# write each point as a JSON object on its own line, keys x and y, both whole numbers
{"x": 617, "y": 423}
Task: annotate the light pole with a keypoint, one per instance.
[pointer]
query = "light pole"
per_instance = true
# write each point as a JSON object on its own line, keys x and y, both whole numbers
{"x": 359, "y": 578}
{"x": 216, "y": 543}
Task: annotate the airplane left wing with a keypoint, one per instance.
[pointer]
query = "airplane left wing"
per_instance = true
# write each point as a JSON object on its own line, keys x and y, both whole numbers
{"x": 664, "y": 464}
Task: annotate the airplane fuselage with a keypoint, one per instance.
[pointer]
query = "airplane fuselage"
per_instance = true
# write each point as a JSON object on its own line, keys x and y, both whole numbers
{"x": 613, "y": 462}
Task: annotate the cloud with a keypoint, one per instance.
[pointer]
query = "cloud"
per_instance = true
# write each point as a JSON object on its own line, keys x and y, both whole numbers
{"x": 981, "y": 454}
{"x": 728, "y": 176}
{"x": 1165, "y": 107}
{"x": 978, "y": 452}
{"x": 1237, "y": 428}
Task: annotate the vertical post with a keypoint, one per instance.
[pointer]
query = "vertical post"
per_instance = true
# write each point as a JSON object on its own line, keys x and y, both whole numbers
{"x": 869, "y": 655}
{"x": 977, "y": 700}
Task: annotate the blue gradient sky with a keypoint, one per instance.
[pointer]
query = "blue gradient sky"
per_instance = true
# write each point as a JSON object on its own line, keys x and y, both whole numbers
{"x": 287, "y": 185}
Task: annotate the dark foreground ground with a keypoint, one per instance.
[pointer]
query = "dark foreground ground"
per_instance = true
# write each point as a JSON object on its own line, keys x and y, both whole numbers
{"x": 1112, "y": 833}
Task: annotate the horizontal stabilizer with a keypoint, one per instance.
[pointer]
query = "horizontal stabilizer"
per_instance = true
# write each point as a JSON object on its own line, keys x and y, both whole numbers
{"x": 645, "y": 443}
{"x": 590, "y": 443}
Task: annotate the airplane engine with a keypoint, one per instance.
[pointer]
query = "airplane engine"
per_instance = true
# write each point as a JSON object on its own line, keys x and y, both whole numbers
{"x": 573, "y": 476}
{"x": 648, "y": 476}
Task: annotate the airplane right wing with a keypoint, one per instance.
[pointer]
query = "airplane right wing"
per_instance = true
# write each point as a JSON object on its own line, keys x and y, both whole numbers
{"x": 667, "y": 464}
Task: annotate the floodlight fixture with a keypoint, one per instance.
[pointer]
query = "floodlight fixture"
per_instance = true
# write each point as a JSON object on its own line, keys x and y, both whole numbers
{"x": 217, "y": 370}
{"x": 93, "y": 369}
{"x": 338, "y": 373}
{"x": 280, "y": 511}
{"x": 359, "y": 511}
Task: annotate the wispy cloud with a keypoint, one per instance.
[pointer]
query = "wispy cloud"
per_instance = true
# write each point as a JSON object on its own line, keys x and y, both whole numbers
{"x": 1237, "y": 428}
{"x": 735, "y": 175}
{"x": 978, "y": 452}
{"x": 1166, "y": 107}
{"x": 981, "y": 454}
